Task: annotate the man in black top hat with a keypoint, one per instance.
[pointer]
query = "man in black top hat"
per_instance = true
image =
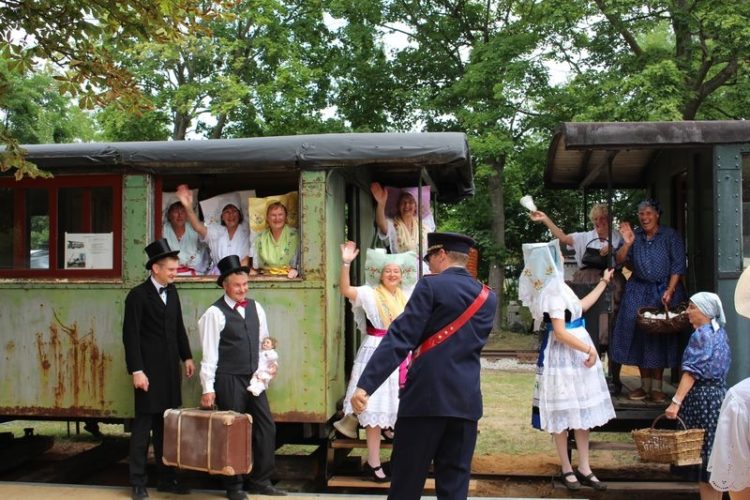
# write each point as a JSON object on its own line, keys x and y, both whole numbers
{"x": 441, "y": 403}
{"x": 232, "y": 330}
{"x": 155, "y": 343}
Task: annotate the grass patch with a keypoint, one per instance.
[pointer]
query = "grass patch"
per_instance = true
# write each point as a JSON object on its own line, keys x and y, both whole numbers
{"x": 512, "y": 340}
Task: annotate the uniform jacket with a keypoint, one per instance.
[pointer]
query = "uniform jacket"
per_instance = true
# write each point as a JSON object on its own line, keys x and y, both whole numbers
{"x": 443, "y": 382}
{"x": 155, "y": 342}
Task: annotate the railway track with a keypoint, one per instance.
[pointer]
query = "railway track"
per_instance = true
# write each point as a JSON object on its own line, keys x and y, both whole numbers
{"x": 521, "y": 355}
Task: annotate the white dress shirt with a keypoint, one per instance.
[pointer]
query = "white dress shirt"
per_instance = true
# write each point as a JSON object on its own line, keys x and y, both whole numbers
{"x": 210, "y": 326}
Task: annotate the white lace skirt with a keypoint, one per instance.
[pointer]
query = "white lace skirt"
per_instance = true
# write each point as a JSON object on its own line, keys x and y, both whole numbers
{"x": 382, "y": 406}
{"x": 729, "y": 463}
{"x": 569, "y": 395}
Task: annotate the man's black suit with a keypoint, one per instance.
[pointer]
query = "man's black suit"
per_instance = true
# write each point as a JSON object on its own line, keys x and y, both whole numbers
{"x": 155, "y": 343}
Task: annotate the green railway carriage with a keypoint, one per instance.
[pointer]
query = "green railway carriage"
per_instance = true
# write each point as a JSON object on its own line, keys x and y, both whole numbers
{"x": 699, "y": 171}
{"x": 61, "y": 311}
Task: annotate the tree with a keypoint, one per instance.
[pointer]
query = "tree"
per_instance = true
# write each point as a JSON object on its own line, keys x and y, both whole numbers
{"x": 81, "y": 38}
{"x": 34, "y": 111}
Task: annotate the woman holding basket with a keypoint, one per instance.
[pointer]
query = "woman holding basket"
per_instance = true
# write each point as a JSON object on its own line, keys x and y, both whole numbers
{"x": 657, "y": 257}
{"x": 705, "y": 364}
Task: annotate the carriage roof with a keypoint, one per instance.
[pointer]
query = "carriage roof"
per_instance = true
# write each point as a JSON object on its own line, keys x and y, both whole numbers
{"x": 390, "y": 157}
{"x": 579, "y": 153}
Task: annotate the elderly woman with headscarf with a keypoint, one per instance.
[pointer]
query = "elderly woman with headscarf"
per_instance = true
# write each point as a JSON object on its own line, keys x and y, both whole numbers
{"x": 657, "y": 258}
{"x": 705, "y": 364}
{"x": 194, "y": 258}
{"x": 571, "y": 391}
{"x": 276, "y": 249}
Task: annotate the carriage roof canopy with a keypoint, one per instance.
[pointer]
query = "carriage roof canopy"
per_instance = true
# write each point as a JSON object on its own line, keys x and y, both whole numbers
{"x": 579, "y": 154}
{"x": 392, "y": 157}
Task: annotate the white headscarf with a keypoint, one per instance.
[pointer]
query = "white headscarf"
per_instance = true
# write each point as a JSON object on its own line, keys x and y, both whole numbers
{"x": 543, "y": 271}
{"x": 710, "y": 305}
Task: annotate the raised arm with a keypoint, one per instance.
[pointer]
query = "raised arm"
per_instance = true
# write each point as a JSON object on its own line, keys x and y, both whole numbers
{"x": 349, "y": 252}
{"x": 591, "y": 298}
{"x": 628, "y": 237}
{"x": 186, "y": 198}
{"x": 381, "y": 197}
{"x": 558, "y": 233}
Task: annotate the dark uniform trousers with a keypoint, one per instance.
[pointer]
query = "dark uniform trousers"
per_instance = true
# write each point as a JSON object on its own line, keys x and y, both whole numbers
{"x": 232, "y": 394}
{"x": 143, "y": 425}
{"x": 418, "y": 441}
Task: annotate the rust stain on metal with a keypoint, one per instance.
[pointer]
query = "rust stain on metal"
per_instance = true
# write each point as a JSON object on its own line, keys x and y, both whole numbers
{"x": 72, "y": 362}
{"x": 43, "y": 411}
{"x": 10, "y": 346}
{"x": 299, "y": 416}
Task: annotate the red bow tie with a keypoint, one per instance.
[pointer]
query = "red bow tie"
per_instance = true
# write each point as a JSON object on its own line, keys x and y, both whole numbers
{"x": 239, "y": 303}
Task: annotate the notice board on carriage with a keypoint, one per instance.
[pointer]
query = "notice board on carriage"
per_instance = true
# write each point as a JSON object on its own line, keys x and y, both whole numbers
{"x": 88, "y": 250}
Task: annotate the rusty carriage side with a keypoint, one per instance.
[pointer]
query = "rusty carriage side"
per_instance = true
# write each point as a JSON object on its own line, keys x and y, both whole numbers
{"x": 700, "y": 172}
{"x": 72, "y": 246}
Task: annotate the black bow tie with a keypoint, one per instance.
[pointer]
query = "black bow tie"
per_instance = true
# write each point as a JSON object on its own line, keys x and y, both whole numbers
{"x": 163, "y": 289}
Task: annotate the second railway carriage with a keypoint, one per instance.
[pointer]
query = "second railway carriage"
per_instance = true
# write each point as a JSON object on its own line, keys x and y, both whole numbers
{"x": 700, "y": 172}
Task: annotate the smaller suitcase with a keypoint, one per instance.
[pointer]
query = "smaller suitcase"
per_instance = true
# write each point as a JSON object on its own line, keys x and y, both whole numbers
{"x": 217, "y": 442}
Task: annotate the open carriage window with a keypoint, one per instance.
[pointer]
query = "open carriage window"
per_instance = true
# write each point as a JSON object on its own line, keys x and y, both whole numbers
{"x": 67, "y": 226}
{"x": 236, "y": 214}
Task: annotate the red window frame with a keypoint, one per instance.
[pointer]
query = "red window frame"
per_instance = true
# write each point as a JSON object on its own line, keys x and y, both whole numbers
{"x": 53, "y": 186}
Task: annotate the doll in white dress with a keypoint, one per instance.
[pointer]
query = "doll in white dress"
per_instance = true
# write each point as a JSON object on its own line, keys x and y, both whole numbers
{"x": 268, "y": 364}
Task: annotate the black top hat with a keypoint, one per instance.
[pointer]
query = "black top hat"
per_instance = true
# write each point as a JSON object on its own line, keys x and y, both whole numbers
{"x": 450, "y": 242}
{"x": 157, "y": 250}
{"x": 229, "y": 265}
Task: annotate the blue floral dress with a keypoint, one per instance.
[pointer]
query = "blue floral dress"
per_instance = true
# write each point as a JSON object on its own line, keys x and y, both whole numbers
{"x": 707, "y": 357}
{"x": 653, "y": 262}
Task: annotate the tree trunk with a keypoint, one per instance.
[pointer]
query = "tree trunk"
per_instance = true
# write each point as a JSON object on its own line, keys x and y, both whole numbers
{"x": 181, "y": 124}
{"x": 497, "y": 268}
{"x": 218, "y": 129}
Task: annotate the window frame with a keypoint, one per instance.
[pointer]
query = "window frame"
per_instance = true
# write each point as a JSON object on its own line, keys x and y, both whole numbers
{"x": 52, "y": 186}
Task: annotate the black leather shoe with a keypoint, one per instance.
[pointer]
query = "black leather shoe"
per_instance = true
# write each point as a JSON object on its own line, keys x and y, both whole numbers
{"x": 139, "y": 493}
{"x": 174, "y": 486}
{"x": 264, "y": 489}
{"x": 236, "y": 495}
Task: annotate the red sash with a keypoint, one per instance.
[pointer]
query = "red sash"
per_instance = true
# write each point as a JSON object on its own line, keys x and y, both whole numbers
{"x": 444, "y": 334}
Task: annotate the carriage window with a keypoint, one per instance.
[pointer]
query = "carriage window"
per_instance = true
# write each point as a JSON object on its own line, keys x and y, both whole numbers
{"x": 215, "y": 197}
{"x": 66, "y": 226}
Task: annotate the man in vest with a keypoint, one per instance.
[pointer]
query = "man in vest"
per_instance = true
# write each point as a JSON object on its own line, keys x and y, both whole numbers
{"x": 231, "y": 331}
{"x": 442, "y": 401}
{"x": 155, "y": 342}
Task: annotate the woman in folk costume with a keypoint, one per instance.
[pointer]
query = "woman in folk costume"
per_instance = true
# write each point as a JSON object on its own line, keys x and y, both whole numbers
{"x": 390, "y": 279}
{"x": 571, "y": 391}
{"x": 276, "y": 249}
{"x": 401, "y": 232}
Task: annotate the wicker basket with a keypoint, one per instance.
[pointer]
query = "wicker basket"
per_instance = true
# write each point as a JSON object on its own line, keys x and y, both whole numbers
{"x": 671, "y": 326}
{"x": 676, "y": 447}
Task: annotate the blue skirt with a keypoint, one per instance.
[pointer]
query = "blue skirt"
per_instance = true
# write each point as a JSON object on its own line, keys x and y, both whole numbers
{"x": 700, "y": 410}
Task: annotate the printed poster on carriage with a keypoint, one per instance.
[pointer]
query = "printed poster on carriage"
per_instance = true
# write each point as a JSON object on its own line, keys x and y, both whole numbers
{"x": 88, "y": 250}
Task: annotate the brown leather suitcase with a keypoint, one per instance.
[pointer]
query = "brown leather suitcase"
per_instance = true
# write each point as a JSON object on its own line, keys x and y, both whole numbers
{"x": 217, "y": 442}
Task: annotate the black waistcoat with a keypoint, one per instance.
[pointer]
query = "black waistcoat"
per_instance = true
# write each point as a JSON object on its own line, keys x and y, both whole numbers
{"x": 238, "y": 343}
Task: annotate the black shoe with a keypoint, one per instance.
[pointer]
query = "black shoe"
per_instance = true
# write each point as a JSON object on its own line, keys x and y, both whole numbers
{"x": 174, "y": 486}
{"x": 370, "y": 474}
{"x": 264, "y": 489}
{"x": 139, "y": 493}
{"x": 591, "y": 481}
{"x": 236, "y": 495}
{"x": 573, "y": 485}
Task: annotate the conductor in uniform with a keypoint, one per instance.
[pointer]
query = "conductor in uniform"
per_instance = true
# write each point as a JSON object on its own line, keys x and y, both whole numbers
{"x": 155, "y": 343}
{"x": 445, "y": 323}
{"x": 231, "y": 331}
